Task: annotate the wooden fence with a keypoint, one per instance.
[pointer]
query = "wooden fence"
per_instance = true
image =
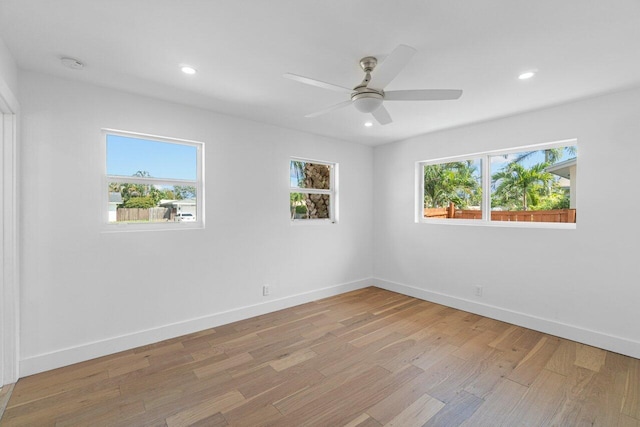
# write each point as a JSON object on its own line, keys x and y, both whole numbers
{"x": 140, "y": 214}
{"x": 555, "y": 215}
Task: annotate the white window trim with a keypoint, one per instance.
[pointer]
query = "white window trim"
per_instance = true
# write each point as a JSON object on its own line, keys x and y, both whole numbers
{"x": 333, "y": 192}
{"x": 486, "y": 184}
{"x": 160, "y": 226}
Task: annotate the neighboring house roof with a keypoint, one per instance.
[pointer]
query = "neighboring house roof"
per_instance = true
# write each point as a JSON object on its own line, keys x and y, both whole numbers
{"x": 115, "y": 197}
{"x": 183, "y": 202}
{"x": 564, "y": 182}
{"x": 563, "y": 168}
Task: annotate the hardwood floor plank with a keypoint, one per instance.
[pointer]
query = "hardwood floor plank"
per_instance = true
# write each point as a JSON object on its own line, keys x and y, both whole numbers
{"x": 40, "y": 412}
{"x": 393, "y": 404}
{"x": 534, "y": 361}
{"x": 206, "y": 409}
{"x": 215, "y": 420}
{"x": 492, "y": 372}
{"x": 362, "y": 421}
{"x": 590, "y": 357}
{"x": 304, "y": 398}
{"x": 464, "y": 375}
{"x": 563, "y": 359}
{"x": 358, "y": 355}
{"x": 292, "y": 359}
{"x": 627, "y": 421}
{"x": 418, "y": 413}
{"x": 100, "y": 414}
{"x": 477, "y": 345}
{"x": 222, "y": 365}
{"x": 457, "y": 411}
{"x": 631, "y": 406}
{"x": 266, "y": 415}
{"x": 342, "y": 405}
{"x": 507, "y": 339}
{"x": 497, "y": 405}
{"x": 365, "y": 358}
{"x": 161, "y": 398}
{"x": 435, "y": 351}
{"x": 292, "y": 382}
{"x": 594, "y": 398}
{"x": 541, "y": 402}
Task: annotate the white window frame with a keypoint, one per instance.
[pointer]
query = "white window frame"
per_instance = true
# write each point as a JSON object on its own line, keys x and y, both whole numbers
{"x": 332, "y": 192}
{"x": 169, "y": 225}
{"x": 486, "y": 189}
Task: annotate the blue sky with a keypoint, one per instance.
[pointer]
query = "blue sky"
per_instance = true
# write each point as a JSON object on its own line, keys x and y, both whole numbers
{"x": 126, "y": 156}
{"x": 498, "y": 162}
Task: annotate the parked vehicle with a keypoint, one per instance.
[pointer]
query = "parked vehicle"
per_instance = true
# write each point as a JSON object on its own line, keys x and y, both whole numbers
{"x": 185, "y": 217}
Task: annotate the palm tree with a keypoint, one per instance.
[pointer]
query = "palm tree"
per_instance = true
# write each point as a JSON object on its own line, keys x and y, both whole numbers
{"x": 115, "y": 187}
{"x": 296, "y": 168}
{"x": 451, "y": 182}
{"x": 517, "y": 182}
{"x": 295, "y": 201}
{"x": 551, "y": 155}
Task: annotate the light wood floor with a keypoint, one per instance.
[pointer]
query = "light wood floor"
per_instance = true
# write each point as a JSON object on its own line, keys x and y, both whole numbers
{"x": 366, "y": 358}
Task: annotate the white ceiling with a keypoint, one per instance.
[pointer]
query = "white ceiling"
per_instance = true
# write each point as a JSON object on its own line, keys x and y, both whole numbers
{"x": 241, "y": 48}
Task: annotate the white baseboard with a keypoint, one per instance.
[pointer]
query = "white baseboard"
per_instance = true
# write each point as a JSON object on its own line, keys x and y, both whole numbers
{"x": 563, "y": 330}
{"x": 68, "y": 356}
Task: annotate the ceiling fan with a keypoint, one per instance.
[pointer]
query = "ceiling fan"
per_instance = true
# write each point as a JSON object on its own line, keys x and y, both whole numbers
{"x": 369, "y": 95}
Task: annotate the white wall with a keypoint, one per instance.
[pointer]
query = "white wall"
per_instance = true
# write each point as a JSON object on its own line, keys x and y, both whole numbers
{"x": 580, "y": 284}
{"x": 86, "y": 293}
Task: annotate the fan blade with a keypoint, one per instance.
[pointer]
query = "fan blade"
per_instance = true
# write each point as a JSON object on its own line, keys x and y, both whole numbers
{"x": 318, "y": 83}
{"x": 389, "y": 69}
{"x": 326, "y": 110}
{"x": 382, "y": 115}
{"x": 422, "y": 95}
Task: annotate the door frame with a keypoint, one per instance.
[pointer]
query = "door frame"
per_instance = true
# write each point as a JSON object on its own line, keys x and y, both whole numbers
{"x": 9, "y": 280}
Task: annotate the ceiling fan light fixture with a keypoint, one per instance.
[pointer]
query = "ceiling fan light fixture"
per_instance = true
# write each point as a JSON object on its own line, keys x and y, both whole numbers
{"x": 367, "y": 102}
{"x": 368, "y": 124}
{"x": 187, "y": 69}
{"x": 527, "y": 75}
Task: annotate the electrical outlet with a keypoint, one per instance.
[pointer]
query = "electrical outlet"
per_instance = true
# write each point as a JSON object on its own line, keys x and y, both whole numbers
{"x": 478, "y": 291}
{"x": 265, "y": 290}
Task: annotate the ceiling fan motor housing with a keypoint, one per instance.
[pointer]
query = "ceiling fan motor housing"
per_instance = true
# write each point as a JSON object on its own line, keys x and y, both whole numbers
{"x": 367, "y": 101}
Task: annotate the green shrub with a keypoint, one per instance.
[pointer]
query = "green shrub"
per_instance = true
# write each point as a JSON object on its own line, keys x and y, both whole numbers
{"x": 140, "y": 202}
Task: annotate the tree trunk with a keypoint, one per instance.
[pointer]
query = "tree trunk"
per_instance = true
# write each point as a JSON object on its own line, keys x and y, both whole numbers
{"x": 317, "y": 176}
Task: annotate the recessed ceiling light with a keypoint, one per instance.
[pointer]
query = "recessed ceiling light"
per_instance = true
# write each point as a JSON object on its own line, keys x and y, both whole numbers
{"x": 368, "y": 124}
{"x": 187, "y": 69}
{"x": 527, "y": 75}
{"x": 72, "y": 63}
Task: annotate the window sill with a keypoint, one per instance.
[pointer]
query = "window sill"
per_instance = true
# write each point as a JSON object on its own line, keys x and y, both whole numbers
{"x": 172, "y": 226}
{"x": 299, "y": 222}
{"x": 503, "y": 224}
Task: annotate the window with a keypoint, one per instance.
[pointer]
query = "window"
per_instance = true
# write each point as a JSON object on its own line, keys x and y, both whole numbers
{"x": 453, "y": 189}
{"x": 533, "y": 184}
{"x": 312, "y": 194}
{"x": 153, "y": 182}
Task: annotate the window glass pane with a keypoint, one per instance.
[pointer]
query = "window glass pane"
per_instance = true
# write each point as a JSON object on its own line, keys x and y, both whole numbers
{"x": 310, "y": 206}
{"x": 127, "y": 156}
{"x": 453, "y": 190}
{"x": 310, "y": 175}
{"x": 142, "y": 203}
{"x": 534, "y": 186}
